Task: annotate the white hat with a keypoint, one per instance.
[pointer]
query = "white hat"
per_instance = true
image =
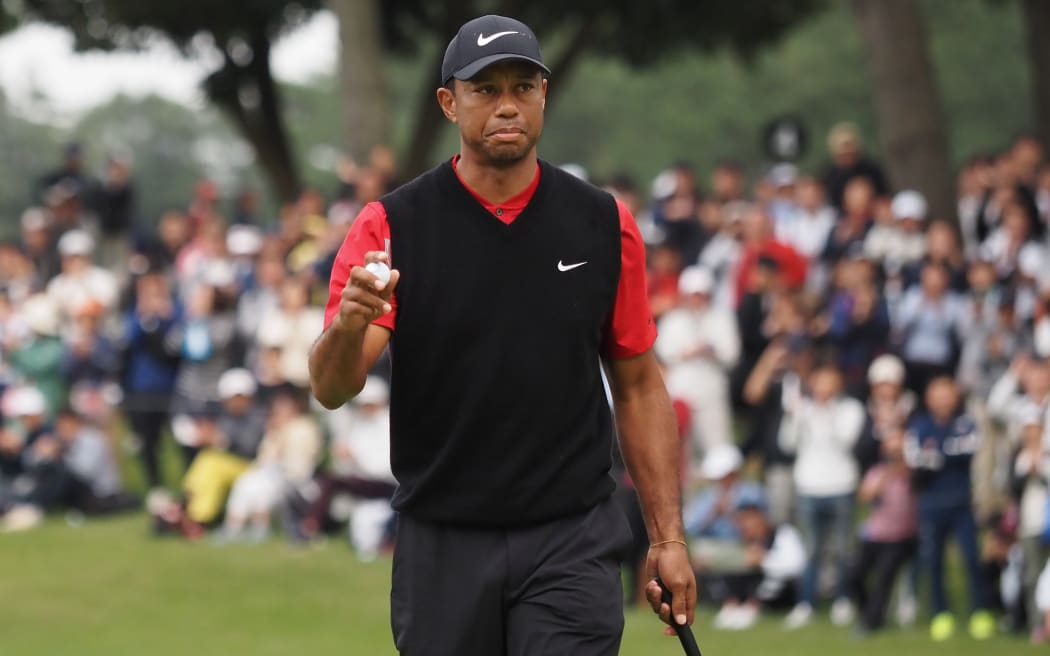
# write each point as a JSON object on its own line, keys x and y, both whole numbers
{"x": 720, "y": 461}
{"x": 25, "y": 402}
{"x": 886, "y": 369}
{"x": 40, "y": 314}
{"x": 236, "y": 382}
{"x": 218, "y": 273}
{"x": 34, "y": 218}
{"x": 783, "y": 175}
{"x": 695, "y": 280}
{"x": 664, "y": 185}
{"x": 244, "y": 240}
{"x": 375, "y": 392}
{"x": 76, "y": 242}
{"x": 1030, "y": 260}
{"x": 909, "y": 204}
{"x": 576, "y": 171}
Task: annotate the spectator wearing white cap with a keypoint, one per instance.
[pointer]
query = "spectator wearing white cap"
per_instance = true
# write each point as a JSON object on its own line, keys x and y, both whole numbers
{"x": 81, "y": 282}
{"x": 227, "y": 444}
{"x": 710, "y": 513}
{"x": 38, "y": 357}
{"x": 709, "y": 517}
{"x": 27, "y": 407}
{"x": 899, "y": 241}
{"x": 700, "y": 344}
{"x": 889, "y": 407}
{"x": 359, "y": 466}
{"x": 32, "y": 456}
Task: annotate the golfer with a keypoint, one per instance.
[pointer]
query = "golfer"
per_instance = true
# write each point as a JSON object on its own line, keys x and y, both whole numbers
{"x": 512, "y": 281}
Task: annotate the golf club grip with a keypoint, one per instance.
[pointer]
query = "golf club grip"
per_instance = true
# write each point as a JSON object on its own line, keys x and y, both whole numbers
{"x": 685, "y": 634}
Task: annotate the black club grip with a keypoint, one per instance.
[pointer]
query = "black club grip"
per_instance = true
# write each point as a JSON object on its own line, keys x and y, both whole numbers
{"x": 685, "y": 634}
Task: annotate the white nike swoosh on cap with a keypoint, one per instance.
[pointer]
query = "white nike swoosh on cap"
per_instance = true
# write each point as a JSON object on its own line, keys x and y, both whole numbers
{"x": 485, "y": 40}
{"x": 569, "y": 267}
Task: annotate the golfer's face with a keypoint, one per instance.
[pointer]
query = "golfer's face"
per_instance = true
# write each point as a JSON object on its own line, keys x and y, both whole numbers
{"x": 500, "y": 110}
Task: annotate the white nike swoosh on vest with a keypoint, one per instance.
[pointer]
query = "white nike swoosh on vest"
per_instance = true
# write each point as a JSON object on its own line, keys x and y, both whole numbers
{"x": 485, "y": 40}
{"x": 569, "y": 267}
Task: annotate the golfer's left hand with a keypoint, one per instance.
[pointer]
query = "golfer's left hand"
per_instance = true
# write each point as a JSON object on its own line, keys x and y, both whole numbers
{"x": 671, "y": 563}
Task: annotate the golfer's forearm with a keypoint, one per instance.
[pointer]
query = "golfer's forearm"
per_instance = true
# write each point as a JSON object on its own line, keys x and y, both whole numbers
{"x": 337, "y": 366}
{"x": 651, "y": 451}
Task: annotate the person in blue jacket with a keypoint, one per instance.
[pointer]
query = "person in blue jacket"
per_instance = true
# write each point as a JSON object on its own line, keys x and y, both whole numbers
{"x": 941, "y": 443}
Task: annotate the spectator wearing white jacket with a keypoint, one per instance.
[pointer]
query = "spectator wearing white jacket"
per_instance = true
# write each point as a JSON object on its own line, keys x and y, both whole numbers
{"x": 821, "y": 429}
{"x": 700, "y": 344}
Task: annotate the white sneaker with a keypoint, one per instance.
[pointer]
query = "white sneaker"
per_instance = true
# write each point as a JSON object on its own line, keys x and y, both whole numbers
{"x": 842, "y": 612}
{"x": 799, "y": 616}
{"x": 746, "y": 617}
{"x": 726, "y": 617}
{"x": 907, "y": 609}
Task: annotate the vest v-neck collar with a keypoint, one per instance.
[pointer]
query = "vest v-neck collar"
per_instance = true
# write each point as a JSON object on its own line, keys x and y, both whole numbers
{"x": 509, "y": 211}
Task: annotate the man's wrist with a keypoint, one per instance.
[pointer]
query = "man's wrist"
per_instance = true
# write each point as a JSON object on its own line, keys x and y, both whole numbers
{"x": 670, "y": 542}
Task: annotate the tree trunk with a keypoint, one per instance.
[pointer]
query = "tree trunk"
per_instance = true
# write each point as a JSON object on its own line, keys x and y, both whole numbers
{"x": 366, "y": 111}
{"x": 250, "y": 98}
{"x": 1036, "y": 18}
{"x": 563, "y": 66}
{"x": 912, "y": 126}
{"x": 429, "y": 121}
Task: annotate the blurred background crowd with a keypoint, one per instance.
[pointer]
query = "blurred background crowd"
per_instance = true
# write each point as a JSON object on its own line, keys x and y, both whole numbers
{"x": 858, "y": 382}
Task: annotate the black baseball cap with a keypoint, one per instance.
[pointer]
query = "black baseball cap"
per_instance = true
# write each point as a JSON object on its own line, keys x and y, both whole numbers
{"x": 487, "y": 40}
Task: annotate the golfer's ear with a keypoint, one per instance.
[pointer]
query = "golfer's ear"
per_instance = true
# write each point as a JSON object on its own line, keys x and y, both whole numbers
{"x": 447, "y": 100}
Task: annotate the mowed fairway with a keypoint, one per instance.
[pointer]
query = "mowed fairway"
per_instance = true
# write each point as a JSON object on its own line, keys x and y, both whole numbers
{"x": 108, "y": 588}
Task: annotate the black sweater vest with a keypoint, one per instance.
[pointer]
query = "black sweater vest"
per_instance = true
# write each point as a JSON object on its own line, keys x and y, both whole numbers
{"x": 498, "y": 412}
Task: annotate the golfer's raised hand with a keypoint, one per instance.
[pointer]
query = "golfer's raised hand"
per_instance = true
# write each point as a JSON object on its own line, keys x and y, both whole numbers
{"x": 365, "y": 297}
{"x": 670, "y": 562}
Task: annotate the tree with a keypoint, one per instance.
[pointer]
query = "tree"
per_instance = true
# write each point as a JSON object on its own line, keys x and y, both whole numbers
{"x": 242, "y": 32}
{"x": 912, "y": 124}
{"x": 1037, "y": 28}
{"x": 637, "y": 33}
{"x": 366, "y": 120}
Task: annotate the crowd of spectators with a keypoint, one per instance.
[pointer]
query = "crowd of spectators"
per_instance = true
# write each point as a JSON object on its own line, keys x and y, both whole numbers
{"x": 857, "y": 382}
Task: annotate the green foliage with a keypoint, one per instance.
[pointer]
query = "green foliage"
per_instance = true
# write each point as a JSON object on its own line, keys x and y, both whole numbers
{"x": 172, "y": 147}
{"x": 25, "y": 147}
{"x": 110, "y": 24}
{"x": 704, "y": 108}
{"x": 610, "y": 118}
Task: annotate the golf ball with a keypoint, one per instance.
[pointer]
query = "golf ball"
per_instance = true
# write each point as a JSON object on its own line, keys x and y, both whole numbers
{"x": 379, "y": 270}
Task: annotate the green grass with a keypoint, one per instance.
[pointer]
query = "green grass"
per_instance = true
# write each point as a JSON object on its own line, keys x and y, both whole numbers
{"x": 109, "y": 588}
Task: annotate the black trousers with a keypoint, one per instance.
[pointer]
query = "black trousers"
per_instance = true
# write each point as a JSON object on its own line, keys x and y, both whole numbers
{"x": 874, "y": 574}
{"x": 148, "y": 425}
{"x": 546, "y": 590}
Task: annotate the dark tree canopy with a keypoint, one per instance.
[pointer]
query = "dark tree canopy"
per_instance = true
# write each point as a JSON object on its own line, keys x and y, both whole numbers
{"x": 638, "y": 32}
{"x": 243, "y": 32}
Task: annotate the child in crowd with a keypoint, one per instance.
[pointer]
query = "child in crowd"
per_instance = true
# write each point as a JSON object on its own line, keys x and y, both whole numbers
{"x": 940, "y": 446}
{"x": 889, "y": 536}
